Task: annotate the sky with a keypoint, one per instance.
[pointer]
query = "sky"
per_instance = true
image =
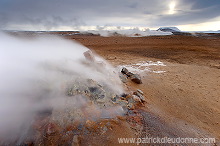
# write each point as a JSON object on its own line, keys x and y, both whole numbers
{"x": 187, "y": 15}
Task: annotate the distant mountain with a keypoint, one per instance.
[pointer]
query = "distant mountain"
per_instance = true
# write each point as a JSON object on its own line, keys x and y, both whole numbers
{"x": 169, "y": 29}
{"x": 174, "y": 31}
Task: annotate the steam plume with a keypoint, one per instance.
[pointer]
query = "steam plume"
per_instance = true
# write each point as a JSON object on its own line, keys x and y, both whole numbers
{"x": 34, "y": 75}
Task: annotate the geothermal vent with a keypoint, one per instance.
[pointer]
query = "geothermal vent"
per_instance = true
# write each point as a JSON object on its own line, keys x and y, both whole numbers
{"x": 52, "y": 90}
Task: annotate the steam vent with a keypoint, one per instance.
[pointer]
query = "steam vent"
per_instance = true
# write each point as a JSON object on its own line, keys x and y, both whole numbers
{"x": 89, "y": 110}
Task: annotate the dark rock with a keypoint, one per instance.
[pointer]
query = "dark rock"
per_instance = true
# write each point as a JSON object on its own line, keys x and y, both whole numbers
{"x": 101, "y": 96}
{"x": 124, "y": 70}
{"x": 93, "y": 89}
{"x": 124, "y": 95}
{"x": 97, "y": 92}
{"x": 136, "y": 78}
{"x": 129, "y": 74}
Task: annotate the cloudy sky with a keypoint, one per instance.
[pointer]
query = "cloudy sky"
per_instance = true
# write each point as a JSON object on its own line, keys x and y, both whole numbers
{"x": 87, "y": 14}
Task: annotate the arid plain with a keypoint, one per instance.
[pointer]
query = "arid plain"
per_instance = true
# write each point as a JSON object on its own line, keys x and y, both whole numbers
{"x": 187, "y": 92}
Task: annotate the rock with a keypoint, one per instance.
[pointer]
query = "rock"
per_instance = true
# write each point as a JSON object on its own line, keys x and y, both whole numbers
{"x": 122, "y": 98}
{"x": 136, "y": 78}
{"x": 89, "y": 56}
{"x": 130, "y": 106}
{"x": 123, "y": 103}
{"x": 115, "y": 98}
{"x": 124, "y": 70}
{"x": 97, "y": 92}
{"x": 124, "y": 95}
{"x": 142, "y": 98}
{"x": 128, "y": 97}
{"x": 123, "y": 77}
{"x": 139, "y": 91}
{"x": 129, "y": 74}
{"x": 136, "y": 93}
{"x": 136, "y": 98}
{"x": 111, "y": 58}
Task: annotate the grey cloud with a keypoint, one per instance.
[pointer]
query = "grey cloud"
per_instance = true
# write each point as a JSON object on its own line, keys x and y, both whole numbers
{"x": 54, "y": 13}
{"x": 190, "y": 17}
{"x": 201, "y": 4}
{"x": 133, "y": 5}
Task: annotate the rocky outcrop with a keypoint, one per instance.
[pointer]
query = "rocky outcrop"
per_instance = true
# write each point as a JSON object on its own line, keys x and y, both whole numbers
{"x": 136, "y": 78}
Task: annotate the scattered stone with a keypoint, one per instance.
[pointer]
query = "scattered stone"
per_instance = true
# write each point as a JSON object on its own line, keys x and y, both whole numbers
{"x": 122, "y": 102}
{"x": 89, "y": 56}
{"x": 124, "y": 95}
{"x": 97, "y": 92}
{"x": 136, "y": 78}
{"x": 131, "y": 106}
{"x": 122, "y": 98}
{"x": 124, "y": 70}
{"x": 111, "y": 58}
{"x": 129, "y": 74}
{"x": 113, "y": 99}
{"x": 142, "y": 98}
{"x": 136, "y": 98}
{"x": 123, "y": 78}
{"x": 128, "y": 97}
{"x": 141, "y": 92}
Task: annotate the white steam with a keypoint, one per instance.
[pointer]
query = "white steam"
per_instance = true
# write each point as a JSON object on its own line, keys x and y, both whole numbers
{"x": 34, "y": 74}
{"x": 135, "y": 32}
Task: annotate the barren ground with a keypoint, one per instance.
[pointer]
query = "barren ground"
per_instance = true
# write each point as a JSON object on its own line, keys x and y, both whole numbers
{"x": 182, "y": 101}
{"x": 187, "y": 94}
